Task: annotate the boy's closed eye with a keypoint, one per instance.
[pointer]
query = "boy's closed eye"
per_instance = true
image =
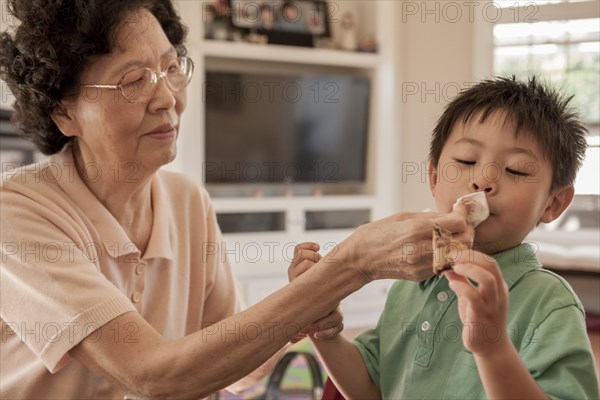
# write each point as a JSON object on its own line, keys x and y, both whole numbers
{"x": 466, "y": 162}
{"x": 516, "y": 172}
{"x": 528, "y": 168}
{"x": 511, "y": 170}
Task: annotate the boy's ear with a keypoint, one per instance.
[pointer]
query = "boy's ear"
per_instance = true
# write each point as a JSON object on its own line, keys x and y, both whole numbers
{"x": 64, "y": 117}
{"x": 557, "y": 203}
{"x": 432, "y": 174}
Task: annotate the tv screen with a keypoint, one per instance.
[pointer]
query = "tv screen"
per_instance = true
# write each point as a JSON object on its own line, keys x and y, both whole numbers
{"x": 285, "y": 128}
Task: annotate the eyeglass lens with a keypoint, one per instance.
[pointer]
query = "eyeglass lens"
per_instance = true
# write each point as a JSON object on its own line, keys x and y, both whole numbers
{"x": 138, "y": 85}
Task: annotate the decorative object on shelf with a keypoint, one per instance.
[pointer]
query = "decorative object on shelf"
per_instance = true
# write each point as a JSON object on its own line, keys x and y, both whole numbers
{"x": 256, "y": 38}
{"x": 367, "y": 45}
{"x": 258, "y": 192}
{"x": 236, "y": 36}
{"x": 288, "y": 22}
{"x": 218, "y": 20}
{"x": 326, "y": 43}
{"x": 348, "y": 25}
{"x": 220, "y": 31}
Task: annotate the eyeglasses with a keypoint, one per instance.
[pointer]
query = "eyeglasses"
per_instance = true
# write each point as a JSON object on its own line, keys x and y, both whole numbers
{"x": 138, "y": 85}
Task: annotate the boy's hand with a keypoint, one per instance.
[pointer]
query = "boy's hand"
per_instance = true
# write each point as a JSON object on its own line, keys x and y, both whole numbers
{"x": 324, "y": 329}
{"x": 482, "y": 307}
{"x": 305, "y": 256}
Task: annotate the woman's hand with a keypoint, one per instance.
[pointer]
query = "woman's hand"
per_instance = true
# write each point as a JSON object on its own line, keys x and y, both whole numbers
{"x": 305, "y": 256}
{"x": 482, "y": 307}
{"x": 398, "y": 247}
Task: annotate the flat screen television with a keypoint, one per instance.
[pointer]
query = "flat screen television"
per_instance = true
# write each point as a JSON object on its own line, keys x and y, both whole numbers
{"x": 285, "y": 128}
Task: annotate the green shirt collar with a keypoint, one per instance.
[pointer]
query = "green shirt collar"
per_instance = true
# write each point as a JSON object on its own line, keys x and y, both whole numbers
{"x": 514, "y": 263}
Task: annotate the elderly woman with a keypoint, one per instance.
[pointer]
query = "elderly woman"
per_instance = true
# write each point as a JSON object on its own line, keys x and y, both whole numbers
{"x": 106, "y": 284}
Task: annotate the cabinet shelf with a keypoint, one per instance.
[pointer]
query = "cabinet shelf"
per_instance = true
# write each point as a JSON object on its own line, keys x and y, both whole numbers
{"x": 288, "y": 54}
{"x": 272, "y": 223}
{"x": 309, "y": 203}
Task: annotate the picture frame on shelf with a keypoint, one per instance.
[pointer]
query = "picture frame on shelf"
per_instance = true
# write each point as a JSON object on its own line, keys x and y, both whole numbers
{"x": 285, "y": 22}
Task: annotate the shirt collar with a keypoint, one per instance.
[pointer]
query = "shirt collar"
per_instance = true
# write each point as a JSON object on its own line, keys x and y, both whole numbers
{"x": 115, "y": 240}
{"x": 514, "y": 263}
{"x": 160, "y": 244}
{"x": 425, "y": 284}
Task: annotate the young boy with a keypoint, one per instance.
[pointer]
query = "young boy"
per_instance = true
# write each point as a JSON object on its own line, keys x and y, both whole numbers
{"x": 458, "y": 336}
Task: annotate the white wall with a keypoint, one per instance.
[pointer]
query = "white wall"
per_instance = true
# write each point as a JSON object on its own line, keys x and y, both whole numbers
{"x": 435, "y": 58}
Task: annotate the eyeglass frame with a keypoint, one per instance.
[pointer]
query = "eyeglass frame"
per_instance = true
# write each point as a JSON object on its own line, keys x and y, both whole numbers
{"x": 155, "y": 78}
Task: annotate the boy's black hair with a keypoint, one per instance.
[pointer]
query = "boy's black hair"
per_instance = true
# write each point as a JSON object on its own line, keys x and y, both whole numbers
{"x": 530, "y": 106}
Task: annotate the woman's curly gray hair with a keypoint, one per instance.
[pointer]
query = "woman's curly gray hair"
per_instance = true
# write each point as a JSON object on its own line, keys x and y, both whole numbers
{"x": 43, "y": 60}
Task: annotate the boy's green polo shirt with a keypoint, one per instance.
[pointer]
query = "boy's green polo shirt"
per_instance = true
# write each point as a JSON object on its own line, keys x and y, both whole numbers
{"x": 416, "y": 350}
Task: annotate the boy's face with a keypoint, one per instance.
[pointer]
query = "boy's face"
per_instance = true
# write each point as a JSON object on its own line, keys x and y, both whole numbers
{"x": 510, "y": 169}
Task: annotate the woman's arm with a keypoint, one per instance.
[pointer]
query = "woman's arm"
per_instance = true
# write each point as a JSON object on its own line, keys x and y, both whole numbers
{"x": 398, "y": 247}
{"x": 258, "y": 374}
{"x": 221, "y": 354}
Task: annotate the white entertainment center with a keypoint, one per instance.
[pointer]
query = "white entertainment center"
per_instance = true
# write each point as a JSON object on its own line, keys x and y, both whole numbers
{"x": 260, "y": 258}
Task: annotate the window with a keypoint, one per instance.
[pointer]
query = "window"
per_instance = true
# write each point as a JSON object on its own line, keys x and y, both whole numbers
{"x": 565, "y": 51}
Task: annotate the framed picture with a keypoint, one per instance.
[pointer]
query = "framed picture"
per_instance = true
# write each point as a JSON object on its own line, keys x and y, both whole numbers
{"x": 291, "y": 22}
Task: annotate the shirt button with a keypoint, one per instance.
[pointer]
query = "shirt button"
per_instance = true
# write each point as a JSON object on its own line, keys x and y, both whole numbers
{"x": 442, "y": 296}
{"x": 140, "y": 269}
{"x": 425, "y": 326}
{"x": 136, "y": 297}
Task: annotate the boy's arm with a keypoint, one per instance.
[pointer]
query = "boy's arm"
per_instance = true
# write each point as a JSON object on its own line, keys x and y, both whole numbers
{"x": 501, "y": 369}
{"x": 347, "y": 369}
{"x": 342, "y": 360}
{"x": 504, "y": 375}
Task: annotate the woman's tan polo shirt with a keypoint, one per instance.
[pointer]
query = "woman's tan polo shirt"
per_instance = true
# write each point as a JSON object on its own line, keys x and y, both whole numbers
{"x": 68, "y": 267}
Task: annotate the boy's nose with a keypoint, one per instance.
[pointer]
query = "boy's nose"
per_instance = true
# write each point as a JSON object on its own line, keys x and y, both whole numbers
{"x": 484, "y": 186}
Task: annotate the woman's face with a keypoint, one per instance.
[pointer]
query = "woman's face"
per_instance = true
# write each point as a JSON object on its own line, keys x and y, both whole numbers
{"x": 114, "y": 132}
